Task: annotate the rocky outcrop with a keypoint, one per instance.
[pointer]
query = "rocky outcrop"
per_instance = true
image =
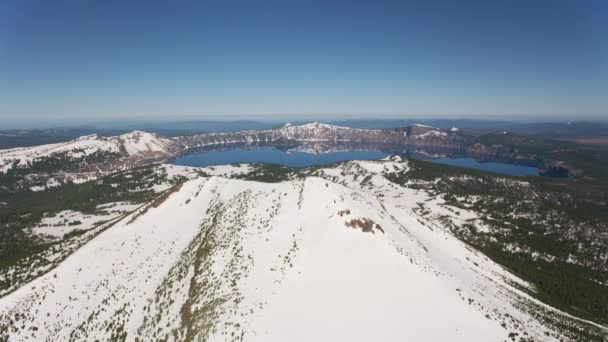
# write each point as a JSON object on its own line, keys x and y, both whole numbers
{"x": 561, "y": 169}
{"x": 500, "y": 152}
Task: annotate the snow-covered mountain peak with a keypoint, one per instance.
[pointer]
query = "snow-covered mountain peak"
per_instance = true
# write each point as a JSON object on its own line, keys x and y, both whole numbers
{"x": 216, "y": 257}
{"x": 314, "y": 124}
{"x": 319, "y": 125}
{"x": 117, "y": 150}
{"x": 137, "y": 134}
{"x": 88, "y": 137}
{"x": 137, "y": 142}
{"x": 77, "y": 148}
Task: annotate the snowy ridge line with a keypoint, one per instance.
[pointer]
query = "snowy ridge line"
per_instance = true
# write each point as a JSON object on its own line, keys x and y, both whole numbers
{"x": 510, "y": 278}
{"x": 224, "y": 259}
{"x": 154, "y": 202}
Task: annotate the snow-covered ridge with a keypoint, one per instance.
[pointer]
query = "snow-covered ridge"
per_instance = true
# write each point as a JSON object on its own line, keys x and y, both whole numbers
{"x": 323, "y": 132}
{"x": 76, "y": 148}
{"x": 138, "y": 142}
{"x": 316, "y": 125}
{"x": 342, "y": 254}
{"x": 320, "y": 125}
{"x": 318, "y": 131}
{"x": 432, "y": 133}
{"x": 134, "y": 144}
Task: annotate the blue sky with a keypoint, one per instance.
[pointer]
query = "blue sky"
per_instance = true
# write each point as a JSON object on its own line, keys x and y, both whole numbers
{"x": 227, "y": 59}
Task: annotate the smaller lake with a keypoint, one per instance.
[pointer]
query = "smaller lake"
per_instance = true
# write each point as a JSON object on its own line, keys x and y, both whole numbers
{"x": 508, "y": 169}
{"x": 302, "y": 159}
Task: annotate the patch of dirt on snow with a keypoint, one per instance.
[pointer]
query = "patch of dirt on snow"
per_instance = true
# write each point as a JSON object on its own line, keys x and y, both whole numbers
{"x": 365, "y": 224}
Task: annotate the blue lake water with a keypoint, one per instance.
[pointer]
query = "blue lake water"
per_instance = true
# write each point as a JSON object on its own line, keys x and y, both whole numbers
{"x": 508, "y": 169}
{"x": 302, "y": 159}
{"x": 274, "y": 156}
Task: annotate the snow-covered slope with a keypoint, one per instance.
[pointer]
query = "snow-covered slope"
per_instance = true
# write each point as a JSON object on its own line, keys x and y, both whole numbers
{"x": 341, "y": 254}
{"x": 138, "y": 142}
{"x": 83, "y": 159}
{"x": 80, "y": 147}
{"x": 135, "y": 144}
{"x": 317, "y": 131}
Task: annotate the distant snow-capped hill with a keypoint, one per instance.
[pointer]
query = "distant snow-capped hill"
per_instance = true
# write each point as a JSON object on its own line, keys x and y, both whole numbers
{"x": 320, "y": 132}
{"x": 143, "y": 143}
{"x": 136, "y": 144}
{"x": 77, "y": 148}
{"x": 81, "y": 160}
{"x": 316, "y": 131}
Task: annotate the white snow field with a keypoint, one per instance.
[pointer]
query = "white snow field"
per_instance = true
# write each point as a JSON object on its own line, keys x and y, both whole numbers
{"x": 66, "y": 221}
{"x": 78, "y": 147}
{"x": 138, "y": 142}
{"x": 340, "y": 255}
{"x": 133, "y": 144}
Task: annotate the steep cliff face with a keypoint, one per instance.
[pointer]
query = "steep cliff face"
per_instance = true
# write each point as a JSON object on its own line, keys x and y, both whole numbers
{"x": 319, "y": 132}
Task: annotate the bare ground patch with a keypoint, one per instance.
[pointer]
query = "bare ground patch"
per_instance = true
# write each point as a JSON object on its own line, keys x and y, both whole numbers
{"x": 365, "y": 224}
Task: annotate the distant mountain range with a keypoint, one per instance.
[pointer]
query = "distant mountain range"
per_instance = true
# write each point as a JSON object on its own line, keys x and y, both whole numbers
{"x": 94, "y": 155}
{"x": 107, "y": 154}
{"x": 556, "y": 130}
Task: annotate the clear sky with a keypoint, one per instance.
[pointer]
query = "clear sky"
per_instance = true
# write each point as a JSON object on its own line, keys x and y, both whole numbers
{"x": 172, "y": 59}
